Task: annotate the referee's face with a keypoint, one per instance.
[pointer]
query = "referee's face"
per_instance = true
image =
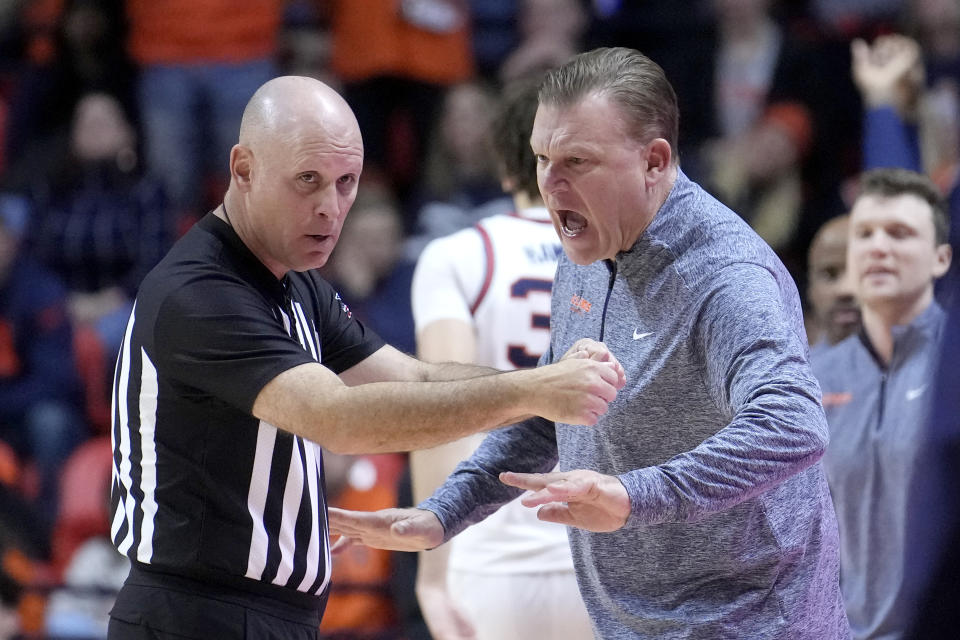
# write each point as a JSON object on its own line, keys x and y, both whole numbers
{"x": 302, "y": 187}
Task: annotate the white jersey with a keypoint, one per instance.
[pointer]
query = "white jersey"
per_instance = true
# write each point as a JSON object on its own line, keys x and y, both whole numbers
{"x": 497, "y": 277}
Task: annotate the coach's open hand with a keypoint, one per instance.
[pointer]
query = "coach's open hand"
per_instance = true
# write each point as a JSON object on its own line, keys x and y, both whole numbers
{"x": 393, "y": 529}
{"x": 584, "y": 499}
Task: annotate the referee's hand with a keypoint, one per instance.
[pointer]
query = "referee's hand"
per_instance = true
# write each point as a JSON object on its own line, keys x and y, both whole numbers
{"x": 592, "y": 350}
{"x": 392, "y": 529}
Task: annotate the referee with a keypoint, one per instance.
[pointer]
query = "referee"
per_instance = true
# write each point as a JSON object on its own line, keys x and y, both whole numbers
{"x": 239, "y": 364}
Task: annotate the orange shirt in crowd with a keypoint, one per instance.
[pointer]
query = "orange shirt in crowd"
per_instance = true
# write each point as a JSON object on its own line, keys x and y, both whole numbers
{"x": 190, "y": 31}
{"x": 372, "y": 38}
{"x": 360, "y": 600}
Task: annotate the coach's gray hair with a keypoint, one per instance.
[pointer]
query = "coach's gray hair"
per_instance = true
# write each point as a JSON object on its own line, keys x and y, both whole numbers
{"x": 633, "y": 81}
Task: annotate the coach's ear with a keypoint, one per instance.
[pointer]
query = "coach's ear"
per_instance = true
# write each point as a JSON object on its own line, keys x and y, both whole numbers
{"x": 241, "y": 166}
{"x": 658, "y": 156}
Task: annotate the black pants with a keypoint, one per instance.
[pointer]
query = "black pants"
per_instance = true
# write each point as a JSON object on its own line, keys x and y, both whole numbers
{"x": 155, "y": 606}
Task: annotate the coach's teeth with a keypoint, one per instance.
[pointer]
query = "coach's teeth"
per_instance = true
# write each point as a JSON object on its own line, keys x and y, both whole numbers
{"x": 573, "y": 224}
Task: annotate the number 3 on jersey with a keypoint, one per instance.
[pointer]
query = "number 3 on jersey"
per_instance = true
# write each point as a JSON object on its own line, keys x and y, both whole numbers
{"x": 518, "y": 355}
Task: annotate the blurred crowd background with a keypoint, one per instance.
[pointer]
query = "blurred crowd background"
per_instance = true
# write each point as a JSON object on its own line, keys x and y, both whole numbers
{"x": 116, "y": 121}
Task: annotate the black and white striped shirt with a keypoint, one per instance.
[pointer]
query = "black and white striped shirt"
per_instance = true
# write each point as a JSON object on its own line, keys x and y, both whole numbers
{"x": 200, "y": 486}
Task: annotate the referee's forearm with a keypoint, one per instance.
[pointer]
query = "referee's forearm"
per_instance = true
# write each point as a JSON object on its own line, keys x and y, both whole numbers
{"x": 445, "y": 371}
{"x": 399, "y": 416}
{"x": 312, "y": 402}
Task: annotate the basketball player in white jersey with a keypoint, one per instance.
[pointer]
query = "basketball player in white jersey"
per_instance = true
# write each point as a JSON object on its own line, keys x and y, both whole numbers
{"x": 482, "y": 295}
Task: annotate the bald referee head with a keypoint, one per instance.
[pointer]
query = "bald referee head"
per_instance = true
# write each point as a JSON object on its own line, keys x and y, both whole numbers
{"x": 294, "y": 173}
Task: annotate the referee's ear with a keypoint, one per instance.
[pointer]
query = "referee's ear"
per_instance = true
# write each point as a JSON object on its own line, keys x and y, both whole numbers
{"x": 241, "y": 163}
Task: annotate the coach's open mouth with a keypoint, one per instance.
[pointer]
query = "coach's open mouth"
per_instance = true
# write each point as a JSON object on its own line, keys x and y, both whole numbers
{"x": 571, "y": 223}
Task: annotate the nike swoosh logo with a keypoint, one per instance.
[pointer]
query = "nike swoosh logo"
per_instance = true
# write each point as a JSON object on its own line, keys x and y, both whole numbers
{"x": 913, "y": 394}
{"x": 640, "y": 336}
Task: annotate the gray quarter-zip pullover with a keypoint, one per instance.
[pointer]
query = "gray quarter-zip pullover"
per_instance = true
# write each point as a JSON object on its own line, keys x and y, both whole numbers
{"x": 879, "y": 452}
{"x": 716, "y": 438}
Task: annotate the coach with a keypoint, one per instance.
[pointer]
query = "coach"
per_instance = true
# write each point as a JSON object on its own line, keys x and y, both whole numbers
{"x": 697, "y": 507}
{"x": 239, "y": 363}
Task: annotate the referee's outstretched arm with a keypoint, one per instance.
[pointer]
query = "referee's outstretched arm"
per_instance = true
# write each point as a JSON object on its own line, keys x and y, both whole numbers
{"x": 393, "y": 402}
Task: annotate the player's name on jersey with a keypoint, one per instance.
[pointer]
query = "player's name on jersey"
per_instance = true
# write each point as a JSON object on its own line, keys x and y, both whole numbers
{"x": 543, "y": 252}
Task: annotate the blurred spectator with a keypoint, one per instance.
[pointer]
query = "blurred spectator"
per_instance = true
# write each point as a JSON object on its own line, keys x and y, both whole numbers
{"x": 459, "y": 185}
{"x": 360, "y": 606}
{"x": 70, "y": 47}
{"x": 679, "y": 40}
{"x": 889, "y": 74}
{"x": 92, "y": 570}
{"x": 933, "y": 541}
{"x": 23, "y": 544}
{"x": 876, "y": 391}
{"x": 459, "y": 167}
{"x": 834, "y": 313}
{"x": 305, "y": 42}
{"x": 551, "y": 32}
{"x": 37, "y": 381}
{"x": 851, "y": 15}
{"x": 306, "y": 52}
{"x": 22, "y": 579}
{"x": 754, "y": 166}
{"x": 936, "y": 24}
{"x": 80, "y": 608}
{"x": 99, "y": 222}
{"x": 369, "y": 270}
{"x": 494, "y": 29}
{"x": 199, "y": 62}
{"x": 770, "y": 126}
{"x": 395, "y": 58}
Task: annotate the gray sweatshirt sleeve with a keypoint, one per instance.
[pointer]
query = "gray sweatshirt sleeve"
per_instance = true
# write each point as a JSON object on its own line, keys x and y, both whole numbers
{"x": 474, "y": 491}
{"x": 753, "y": 365}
